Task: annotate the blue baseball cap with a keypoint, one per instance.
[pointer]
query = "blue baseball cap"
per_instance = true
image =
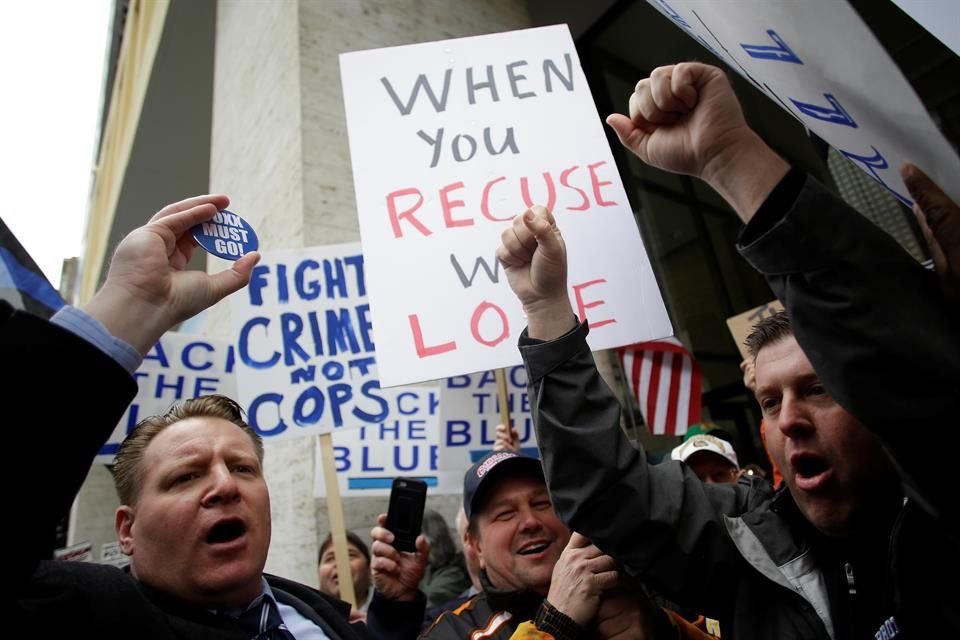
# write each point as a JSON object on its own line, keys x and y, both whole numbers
{"x": 482, "y": 476}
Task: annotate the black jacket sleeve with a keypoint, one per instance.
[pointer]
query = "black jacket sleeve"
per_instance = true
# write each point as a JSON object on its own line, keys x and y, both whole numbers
{"x": 872, "y": 321}
{"x": 62, "y": 398}
{"x": 659, "y": 521}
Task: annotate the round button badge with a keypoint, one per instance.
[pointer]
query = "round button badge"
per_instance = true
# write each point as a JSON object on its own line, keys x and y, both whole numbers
{"x": 226, "y": 235}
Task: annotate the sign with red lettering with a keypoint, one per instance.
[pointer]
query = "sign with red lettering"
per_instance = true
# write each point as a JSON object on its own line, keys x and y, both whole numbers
{"x": 449, "y": 142}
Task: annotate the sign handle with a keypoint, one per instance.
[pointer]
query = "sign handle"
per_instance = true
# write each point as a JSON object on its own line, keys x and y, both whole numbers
{"x": 503, "y": 396}
{"x": 338, "y": 531}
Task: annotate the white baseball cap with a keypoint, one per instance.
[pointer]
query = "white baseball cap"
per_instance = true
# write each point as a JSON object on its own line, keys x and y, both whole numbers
{"x": 705, "y": 443}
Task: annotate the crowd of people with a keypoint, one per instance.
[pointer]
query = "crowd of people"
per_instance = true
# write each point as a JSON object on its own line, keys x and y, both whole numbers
{"x": 855, "y": 381}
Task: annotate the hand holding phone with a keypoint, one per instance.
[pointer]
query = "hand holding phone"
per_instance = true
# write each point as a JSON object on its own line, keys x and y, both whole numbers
{"x": 405, "y": 513}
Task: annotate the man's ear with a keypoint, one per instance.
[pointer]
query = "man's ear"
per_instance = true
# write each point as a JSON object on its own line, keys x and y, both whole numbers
{"x": 474, "y": 542}
{"x": 123, "y": 524}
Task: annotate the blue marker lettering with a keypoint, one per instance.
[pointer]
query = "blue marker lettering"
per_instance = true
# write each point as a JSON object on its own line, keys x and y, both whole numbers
{"x": 176, "y": 386}
{"x": 291, "y": 326}
{"x": 369, "y": 390}
{"x": 306, "y": 418}
{"x": 253, "y": 412}
{"x": 458, "y": 433}
{"x": 779, "y": 51}
{"x": 413, "y": 463}
{"x": 341, "y": 459}
{"x": 244, "y": 345}
{"x": 188, "y": 363}
{"x": 158, "y": 354}
{"x": 306, "y": 291}
{"x": 871, "y": 164}
{"x": 834, "y": 114}
{"x": 201, "y": 388}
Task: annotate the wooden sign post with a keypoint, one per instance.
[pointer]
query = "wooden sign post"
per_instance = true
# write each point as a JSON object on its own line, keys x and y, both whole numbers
{"x": 338, "y": 530}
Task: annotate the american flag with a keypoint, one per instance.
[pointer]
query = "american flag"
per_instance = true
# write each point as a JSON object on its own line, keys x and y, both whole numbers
{"x": 666, "y": 382}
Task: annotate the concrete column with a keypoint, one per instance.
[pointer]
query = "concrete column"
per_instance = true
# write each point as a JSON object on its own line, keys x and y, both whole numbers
{"x": 279, "y": 150}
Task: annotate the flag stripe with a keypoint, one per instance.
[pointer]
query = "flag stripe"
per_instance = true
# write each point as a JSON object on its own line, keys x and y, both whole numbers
{"x": 684, "y": 397}
{"x": 676, "y": 369}
{"x": 666, "y": 383}
{"x": 653, "y": 390}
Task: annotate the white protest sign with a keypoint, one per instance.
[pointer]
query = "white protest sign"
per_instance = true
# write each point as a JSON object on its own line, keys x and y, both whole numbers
{"x": 822, "y": 64}
{"x": 940, "y": 17}
{"x": 81, "y": 552}
{"x": 110, "y": 553}
{"x": 470, "y": 414}
{"x": 449, "y": 142}
{"x": 305, "y": 351}
{"x": 405, "y": 444}
{"x": 179, "y": 366}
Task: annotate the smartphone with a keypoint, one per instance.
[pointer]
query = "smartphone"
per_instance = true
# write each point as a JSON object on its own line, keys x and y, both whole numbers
{"x": 405, "y": 513}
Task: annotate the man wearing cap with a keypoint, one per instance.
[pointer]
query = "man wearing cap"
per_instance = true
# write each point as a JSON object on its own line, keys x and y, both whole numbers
{"x": 536, "y": 575}
{"x": 712, "y": 459}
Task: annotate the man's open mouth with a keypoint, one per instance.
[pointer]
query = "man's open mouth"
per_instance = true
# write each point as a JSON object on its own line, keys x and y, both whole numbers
{"x": 810, "y": 470}
{"x": 226, "y": 531}
{"x": 533, "y": 548}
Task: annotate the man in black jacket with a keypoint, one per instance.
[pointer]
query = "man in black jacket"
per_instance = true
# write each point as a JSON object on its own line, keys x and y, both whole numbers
{"x": 837, "y": 553}
{"x": 195, "y": 517}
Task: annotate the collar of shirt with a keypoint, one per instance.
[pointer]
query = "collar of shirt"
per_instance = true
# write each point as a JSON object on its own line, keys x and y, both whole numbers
{"x": 301, "y": 627}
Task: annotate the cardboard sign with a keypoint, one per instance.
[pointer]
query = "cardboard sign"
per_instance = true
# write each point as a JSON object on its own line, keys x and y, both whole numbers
{"x": 177, "y": 367}
{"x": 821, "y": 63}
{"x": 470, "y": 412}
{"x": 741, "y": 324}
{"x": 451, "y": 140}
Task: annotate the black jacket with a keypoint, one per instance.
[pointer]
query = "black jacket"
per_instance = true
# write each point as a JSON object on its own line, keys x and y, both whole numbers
{"x": 495, "y": 612}
{"x": 62, "y": 398}
{"x": 740, "y": 553}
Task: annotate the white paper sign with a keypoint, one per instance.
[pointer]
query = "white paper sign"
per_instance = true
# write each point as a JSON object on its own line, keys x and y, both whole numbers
{"x": 305, "y": 351}
{"x": 179, "y": 366}
{"x": 940, "y": 17}
{"x": 823, "y": 65}
{"x": 405, "y": 444}
{"x": 470, "y": 414}
{"x": 81, "y": 552}
{"x": 449, "y": 141}
{"x": 110, "y": 553}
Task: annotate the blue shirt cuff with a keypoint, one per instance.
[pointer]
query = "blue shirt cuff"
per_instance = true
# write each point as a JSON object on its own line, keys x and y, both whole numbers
{"x": 85, "y": 326}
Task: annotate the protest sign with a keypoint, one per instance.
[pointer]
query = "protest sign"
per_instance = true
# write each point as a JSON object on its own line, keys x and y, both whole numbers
{"x": 177, "y": 367}
{"x": 940, "y": 17}
{"x": 436, "y": 434}
{"x": 821, "y": 63}
{"x": 741, "y": 324}
{"x": 112, "y": 554}
{"x": 367, "y": 459}
{"x": 305, "y": 352}
{"x": 81, "y": 552}
{"x": 470, "y": 414}
{"x": 450, "y": 141}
